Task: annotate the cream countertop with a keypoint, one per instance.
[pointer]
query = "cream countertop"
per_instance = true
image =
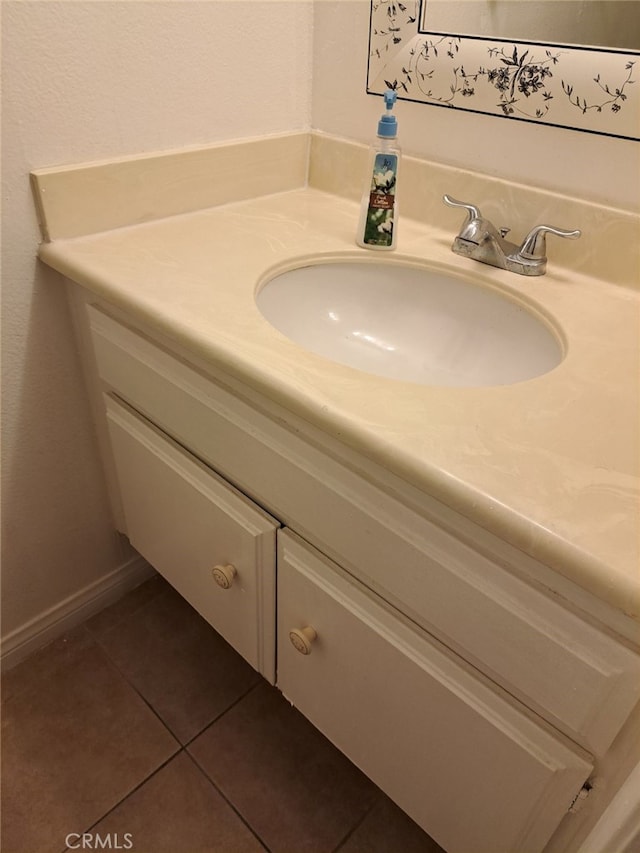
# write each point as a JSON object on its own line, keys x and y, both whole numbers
{"x": 550, "y": 464}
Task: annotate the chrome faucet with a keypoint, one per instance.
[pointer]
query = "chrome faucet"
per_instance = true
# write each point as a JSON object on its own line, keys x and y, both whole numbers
{"x": 481, "y": 240}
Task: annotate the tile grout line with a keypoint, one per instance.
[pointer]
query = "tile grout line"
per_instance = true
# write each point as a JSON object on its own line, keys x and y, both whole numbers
{"x": 96, "y": 639}
{"x": 133, "y": 790}
{"x": 357, "y": 824}
{"x": 231, "y": 805}
{"x": 130, "y": 683}
{"x": 222, "y": 714}
{"x": 182, "y": 749}
{"x": 204, "y": 772}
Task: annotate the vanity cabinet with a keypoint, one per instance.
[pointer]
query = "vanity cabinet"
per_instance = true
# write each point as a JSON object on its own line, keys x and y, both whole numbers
{"x": 439, "y": 670}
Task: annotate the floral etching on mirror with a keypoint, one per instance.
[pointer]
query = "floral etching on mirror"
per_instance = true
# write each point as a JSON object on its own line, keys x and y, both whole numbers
{"x": 553, "y": 84}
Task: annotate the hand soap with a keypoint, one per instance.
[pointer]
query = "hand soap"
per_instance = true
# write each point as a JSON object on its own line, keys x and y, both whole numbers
{"x": 377, "y": 226}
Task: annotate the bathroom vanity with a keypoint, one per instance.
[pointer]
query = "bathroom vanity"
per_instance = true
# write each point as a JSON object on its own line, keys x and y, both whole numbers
{"x": 442, "y": 580}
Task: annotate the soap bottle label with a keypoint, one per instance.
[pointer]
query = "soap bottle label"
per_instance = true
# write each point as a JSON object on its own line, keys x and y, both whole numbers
{"x": 378, "y": 230}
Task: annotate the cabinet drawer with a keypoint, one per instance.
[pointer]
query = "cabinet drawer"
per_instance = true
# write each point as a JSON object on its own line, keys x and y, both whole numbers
{"x": 471, "y": 769}
{"x": 186, "y": 521}
{"x": 575, "y": 676}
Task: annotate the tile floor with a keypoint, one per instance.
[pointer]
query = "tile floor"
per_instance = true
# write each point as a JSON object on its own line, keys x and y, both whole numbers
{"x": 143, "y": 727}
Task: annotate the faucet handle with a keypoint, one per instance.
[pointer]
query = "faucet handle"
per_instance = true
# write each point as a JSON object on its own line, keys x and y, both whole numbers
{"x": 534, "y": 246}
{"x": 473, "y": 212}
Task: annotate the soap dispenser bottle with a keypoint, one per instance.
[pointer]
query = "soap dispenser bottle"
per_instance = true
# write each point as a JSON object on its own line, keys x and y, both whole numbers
{"x": 377, "y": 226}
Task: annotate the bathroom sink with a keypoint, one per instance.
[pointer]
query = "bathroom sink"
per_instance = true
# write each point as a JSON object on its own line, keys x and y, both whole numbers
{"x": 410, "y": 323}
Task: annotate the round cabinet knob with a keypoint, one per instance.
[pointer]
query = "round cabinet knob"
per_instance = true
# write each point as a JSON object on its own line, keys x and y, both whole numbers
{"x": 302, "y": 638}
{"x": 224, "y": 575}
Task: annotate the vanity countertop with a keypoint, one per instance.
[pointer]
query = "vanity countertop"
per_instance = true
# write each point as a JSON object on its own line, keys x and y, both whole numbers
{"x": 550, "y": 464}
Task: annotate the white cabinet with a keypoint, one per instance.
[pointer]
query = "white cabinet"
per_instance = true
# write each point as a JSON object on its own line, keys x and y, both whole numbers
{"x": 520, "y": 637}
{"x": 437, "y": 668}
{"x": 211, "y": 543}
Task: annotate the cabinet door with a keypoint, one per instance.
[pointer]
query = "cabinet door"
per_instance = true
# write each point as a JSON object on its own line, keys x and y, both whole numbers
{"x": 464, "y": 762}
{"x": 208, "y": 540}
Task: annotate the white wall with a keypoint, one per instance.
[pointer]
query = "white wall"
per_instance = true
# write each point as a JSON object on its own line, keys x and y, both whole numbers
{"x": 596, "y": 167}
{"x": 85, "y": 81}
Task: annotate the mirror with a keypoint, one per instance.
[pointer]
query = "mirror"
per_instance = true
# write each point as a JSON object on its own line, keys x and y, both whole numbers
{"x": 597, "y": 23}
{"x": 534, "y": 77}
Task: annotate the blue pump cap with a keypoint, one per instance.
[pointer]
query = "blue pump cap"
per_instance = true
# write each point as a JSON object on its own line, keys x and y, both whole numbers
{"x": 388, "y": 124}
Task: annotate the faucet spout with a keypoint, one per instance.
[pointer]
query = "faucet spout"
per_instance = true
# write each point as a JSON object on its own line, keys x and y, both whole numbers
{"x": 483, "y": 246}
{"x": 479, "y": 238}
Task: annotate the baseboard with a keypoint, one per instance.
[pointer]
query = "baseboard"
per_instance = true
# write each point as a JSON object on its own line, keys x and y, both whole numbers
{"x": 55, "y": 621}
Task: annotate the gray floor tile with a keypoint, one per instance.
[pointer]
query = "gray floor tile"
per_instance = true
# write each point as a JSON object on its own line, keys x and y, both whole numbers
{"x": 179, "y": 664}
{"x": 298, "y": 792}
{"x": 76, "y": 739}
{"x": 387, "y": 829}
{"x": 178, "y": 810}
{"x": 126, "y": 606}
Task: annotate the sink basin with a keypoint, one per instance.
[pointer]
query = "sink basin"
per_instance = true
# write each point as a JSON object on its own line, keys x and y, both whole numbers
{"x": 410, "y": 323}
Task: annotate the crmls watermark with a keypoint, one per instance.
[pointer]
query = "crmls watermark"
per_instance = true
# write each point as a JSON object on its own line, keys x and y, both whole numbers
{"x": 95, "y": 841}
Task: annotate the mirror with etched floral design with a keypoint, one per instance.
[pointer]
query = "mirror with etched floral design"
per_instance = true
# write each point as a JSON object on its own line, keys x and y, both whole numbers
{"x": 518, "y": 60}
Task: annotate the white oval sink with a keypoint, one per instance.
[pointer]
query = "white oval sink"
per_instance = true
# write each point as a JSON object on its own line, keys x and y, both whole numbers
{"x": 410, "y": 323}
